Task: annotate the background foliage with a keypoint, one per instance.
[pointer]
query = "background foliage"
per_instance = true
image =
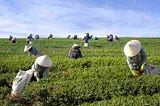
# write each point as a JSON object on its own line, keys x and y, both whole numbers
{"x": 101, "y": 77}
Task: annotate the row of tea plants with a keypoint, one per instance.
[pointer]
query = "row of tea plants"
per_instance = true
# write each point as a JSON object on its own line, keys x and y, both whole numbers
{"x": 101, "y": 77}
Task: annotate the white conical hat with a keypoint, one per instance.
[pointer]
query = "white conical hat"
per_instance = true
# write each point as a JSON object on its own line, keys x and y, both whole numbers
{"x": 44, "y": 61}
{"x": 74, "y": 45}
{"x": 27, "y": 47}
{"x": 132, "y": 48}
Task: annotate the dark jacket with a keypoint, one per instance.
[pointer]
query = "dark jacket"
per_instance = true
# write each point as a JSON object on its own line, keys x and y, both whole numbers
{"x": 33, "y": 51}
{"x": 75, "y": 52}
{"x": 86, "y": 38}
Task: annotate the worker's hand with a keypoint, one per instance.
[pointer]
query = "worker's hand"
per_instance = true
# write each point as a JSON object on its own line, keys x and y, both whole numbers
{"x": 143, "y": 67}
{"x": 38, "y": 79}
{"x": 134, "y": 72}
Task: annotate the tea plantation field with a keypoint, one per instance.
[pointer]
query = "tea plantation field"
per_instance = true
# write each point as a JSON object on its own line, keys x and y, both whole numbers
{"x": 100, "y": 78}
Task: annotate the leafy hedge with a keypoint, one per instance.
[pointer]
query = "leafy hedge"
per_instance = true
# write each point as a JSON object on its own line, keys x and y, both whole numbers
{"x": 101, "y": 77}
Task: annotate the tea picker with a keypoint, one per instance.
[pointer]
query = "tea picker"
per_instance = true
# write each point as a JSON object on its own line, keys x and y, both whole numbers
{"x": 12, "y": 39}
{"x": 75, "y": 52}
{"x": 85, "y": 39}
{"x": 32, "y": 50}
{"x": 38, "y": 70}
{"x": 30, "y": 39}
{"x": 137, "y": 59}
{"x": 41, "y": 67}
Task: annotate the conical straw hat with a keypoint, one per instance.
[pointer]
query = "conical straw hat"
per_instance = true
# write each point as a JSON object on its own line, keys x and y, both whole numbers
{"x": 132, "y": 48}
{"x": 44, "y": 61}
{"x": 74, "y": 45}
{"x": 27, "y": 47}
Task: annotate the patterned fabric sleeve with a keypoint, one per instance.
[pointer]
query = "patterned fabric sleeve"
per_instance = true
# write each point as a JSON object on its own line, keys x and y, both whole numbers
{"x": 35, "y": 68}
{"x": 130, "y": 64}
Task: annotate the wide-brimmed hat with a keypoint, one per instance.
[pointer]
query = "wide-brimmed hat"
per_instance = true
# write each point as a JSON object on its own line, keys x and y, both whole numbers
{"x": 75, "y": 45}
{"x": 44, "y": 61}
{"x": 132, "y": 48}
{"x": 27, "y": 47}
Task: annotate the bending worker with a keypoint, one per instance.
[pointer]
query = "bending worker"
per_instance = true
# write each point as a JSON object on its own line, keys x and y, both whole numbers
{"x": 41, "y": 67}
{"x": 75, "y": 52}
{"x": 136, "y": 57}
{"x": 32, "y": 50}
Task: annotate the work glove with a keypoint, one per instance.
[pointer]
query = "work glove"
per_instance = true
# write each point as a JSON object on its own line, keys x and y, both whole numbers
{"x": 143, "y": 67}
{"x": 38, "y": 79}
{"x": 134, "y": 72}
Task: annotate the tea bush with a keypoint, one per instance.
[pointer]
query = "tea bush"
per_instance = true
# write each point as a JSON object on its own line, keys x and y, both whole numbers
{"x": 101, "y": 77}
